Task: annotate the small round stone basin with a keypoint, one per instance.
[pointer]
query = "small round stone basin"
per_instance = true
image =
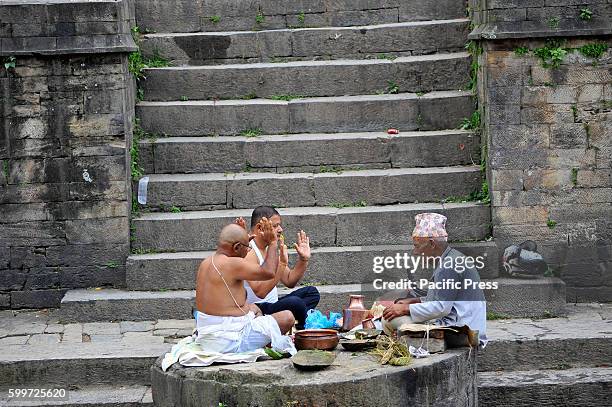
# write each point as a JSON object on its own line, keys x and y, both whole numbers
{"x": 354, "y": 379}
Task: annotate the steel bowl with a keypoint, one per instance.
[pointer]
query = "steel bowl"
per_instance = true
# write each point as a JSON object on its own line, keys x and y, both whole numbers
{"x": 321, "y": 339}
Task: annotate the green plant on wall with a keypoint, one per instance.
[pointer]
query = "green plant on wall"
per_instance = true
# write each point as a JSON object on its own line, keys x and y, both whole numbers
{"x": 586, "y": 14}
{"x": 9, "y": 62}
{"x": 595, "y": 50}
{"x": 551, "y": 54}
{"x": 136, "y": 61}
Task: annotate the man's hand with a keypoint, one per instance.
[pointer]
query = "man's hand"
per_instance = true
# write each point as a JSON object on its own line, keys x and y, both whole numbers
{"x": 255, "y": 310}
{"x": 395, "y": 310}
{"x": 302, "y": 246}
{"x": 240, "y": 222}
{"x": 267, "y": 231}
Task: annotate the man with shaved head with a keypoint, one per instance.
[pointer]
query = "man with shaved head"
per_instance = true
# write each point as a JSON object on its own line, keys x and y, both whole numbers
{"x": 226, "y": 322}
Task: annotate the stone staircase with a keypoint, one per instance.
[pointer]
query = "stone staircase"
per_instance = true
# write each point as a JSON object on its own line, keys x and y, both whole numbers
{"x": 256, "y": 109}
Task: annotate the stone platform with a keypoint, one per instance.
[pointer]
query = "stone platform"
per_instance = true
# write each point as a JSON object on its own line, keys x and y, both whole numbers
{"x": 355, "y": 379}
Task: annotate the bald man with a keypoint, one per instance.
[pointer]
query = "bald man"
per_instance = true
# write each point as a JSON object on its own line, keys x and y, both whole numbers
{"x": 226, "y": 322}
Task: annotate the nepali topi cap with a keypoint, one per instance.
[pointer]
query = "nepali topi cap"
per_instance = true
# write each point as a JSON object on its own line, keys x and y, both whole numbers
{"x": 430, "y": 225}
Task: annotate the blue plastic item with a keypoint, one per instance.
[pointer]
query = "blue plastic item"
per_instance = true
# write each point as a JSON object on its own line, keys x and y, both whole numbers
{"x": 316, "y": 320}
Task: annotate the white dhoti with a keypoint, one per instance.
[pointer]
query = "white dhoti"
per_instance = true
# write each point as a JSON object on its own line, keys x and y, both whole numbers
{"x": 240, "y": 334}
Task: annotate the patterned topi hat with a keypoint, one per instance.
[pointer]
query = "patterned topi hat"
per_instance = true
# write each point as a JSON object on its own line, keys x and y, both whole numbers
{"x": 430, "y": 225}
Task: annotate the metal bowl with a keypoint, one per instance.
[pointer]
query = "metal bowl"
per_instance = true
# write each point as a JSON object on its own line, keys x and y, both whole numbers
{"x": 322, "y": 339}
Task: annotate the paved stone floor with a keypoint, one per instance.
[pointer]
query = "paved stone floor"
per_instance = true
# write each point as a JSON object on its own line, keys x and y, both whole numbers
{"x": 41, "y": 328}
{"x": 581, "y": 321}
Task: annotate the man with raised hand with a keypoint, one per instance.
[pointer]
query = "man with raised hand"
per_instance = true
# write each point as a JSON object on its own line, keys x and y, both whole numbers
{"x": 226, "y": 322}
{"x": 455, "y": 303}
{"x": 264, "y": 292}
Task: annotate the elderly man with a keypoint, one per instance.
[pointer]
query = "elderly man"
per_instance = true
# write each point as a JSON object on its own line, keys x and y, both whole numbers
{"x": 226, "y": 322}
{"x": 264, "y": 292}
{"x": 455, "y": 302}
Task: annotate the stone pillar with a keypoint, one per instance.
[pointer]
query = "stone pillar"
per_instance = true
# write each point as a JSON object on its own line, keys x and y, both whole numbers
{"x": 545, "y": 89}
{"x": 67, "y": 102}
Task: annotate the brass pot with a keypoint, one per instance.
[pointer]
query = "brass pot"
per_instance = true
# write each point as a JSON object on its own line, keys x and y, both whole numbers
{"x": 322, "y": 339}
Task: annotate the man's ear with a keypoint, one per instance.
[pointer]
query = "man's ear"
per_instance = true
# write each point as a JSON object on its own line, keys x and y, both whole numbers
{"x": 235, "y": 247}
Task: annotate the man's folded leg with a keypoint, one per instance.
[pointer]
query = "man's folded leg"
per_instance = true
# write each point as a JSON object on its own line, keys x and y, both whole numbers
{"x": 298, "y": 302}
{"x": 391, "y": 327}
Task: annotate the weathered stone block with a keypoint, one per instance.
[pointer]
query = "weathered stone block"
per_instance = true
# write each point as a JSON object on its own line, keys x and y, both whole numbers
{"x": 87, "y": 254}
{"x": 12, "y": 280}
{"x": 27, "y": 257}
{"x": 547, "y": 179}
{"x": 103, "y": 275}
{"x": 547, "y": 113}
{"x": 42, "y": 279}
{"x": 520, "y": 216}
{"x": 508, "y": 137}
{"x": 503, "y": 180}
{"x": 90, "y": 231}
{"x": 26, "y": 193}
{"x": 594, "y": 178}
{"x": 37, "y": 298}
{"x": 5, "y": 300}
{"x": 567, "y": 135}
{"x": 24, "y": 212}
{"x": 87, "y": 210}
{"x": 113, "y": 190}
{"x": 32, "y": 234}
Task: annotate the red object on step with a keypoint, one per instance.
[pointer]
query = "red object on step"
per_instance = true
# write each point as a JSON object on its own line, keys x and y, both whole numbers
{"x": 392, "y": 131}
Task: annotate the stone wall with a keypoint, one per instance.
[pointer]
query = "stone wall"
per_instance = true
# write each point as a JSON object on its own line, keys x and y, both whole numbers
{"x": 65, "y": 134}
{"x": 541, "y": 11}
{"x": 549, "y": 138}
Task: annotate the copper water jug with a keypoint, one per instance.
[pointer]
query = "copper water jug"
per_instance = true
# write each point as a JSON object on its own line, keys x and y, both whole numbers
{"x": 354, "y": 314}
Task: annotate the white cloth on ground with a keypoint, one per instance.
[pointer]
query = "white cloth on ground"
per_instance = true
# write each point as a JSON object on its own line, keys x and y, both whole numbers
{"x": 228, "y": 340}
{"x": 252, "y": 298}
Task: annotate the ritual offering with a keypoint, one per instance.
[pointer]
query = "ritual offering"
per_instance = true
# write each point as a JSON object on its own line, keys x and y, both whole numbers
{"x": 313, "y": 359}
{"x": 321, "y": 339}
{"x": 392, "y": 352}
{"x": 356, "y": 345}
{"x": 354, "y": 314}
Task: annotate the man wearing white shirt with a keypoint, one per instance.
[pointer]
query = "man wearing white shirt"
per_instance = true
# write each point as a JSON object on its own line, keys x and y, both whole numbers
{"x": 264, "y": 293}
{"x": 457, "y": 301}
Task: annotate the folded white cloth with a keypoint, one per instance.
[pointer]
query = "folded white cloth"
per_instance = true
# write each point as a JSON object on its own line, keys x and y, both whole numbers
{"x": 189, "y": 353}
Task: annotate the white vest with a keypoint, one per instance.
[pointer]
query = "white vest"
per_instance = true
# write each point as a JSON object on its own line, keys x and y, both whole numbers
{"x": 251, "y": 297}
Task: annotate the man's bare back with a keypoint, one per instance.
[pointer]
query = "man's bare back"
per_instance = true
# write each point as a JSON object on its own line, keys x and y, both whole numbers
{"x": 219, "y": 284}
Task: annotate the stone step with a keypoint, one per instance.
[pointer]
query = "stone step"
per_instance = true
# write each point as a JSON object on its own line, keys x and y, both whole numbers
{"x": 580, "y": 338}
{"x": 93, "y": 396}
{"x": 404, "y": 111}
{"x": 354, "y": 226}
{"x": 328, "y": 265}
{"x": 371, "y": 187}
{"x": 399, "y": 39}
{"x": 79, "y": 364}
{"x": 529, "y": 297}
{"x": 309, "y": 152}
{"x": 122, "y": 305}
{"x": 585, "y": 387}
{"x": 423, "y": 73}
{"x": 232, "y": 15}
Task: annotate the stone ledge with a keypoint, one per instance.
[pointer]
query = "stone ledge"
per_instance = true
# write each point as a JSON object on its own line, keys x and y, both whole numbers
{"x": 37, "y": 27}
{"x": 353, "y": 379}
{"x": 537, "y": 29}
